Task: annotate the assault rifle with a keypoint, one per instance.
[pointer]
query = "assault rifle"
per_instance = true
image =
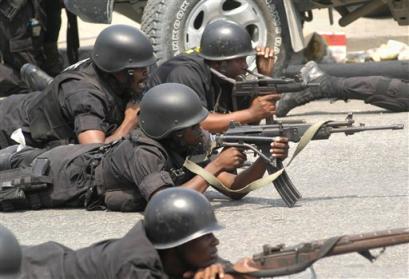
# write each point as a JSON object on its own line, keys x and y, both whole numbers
{"x": 280, "y": 260}
{"x": 258, "y": 138}
{"x": 264, "y": 85}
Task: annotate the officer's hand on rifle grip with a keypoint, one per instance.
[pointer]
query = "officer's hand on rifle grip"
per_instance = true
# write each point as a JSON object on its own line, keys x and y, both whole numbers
{"x": 230, "y": 159}
{"x": 265, "y": 60}
{"x": 264, "y": 106}
{"x": 279, "y": 148}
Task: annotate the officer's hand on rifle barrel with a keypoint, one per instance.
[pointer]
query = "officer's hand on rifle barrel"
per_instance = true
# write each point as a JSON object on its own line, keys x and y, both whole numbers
{"x": 265, "y": 60}
{"x": 211, "y": 272}
{"x": 230, "y": 159}
{"x": 279, "y": 148}
{"x": 264, "y": 106}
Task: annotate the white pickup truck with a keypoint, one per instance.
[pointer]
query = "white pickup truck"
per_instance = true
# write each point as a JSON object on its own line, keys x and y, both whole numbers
{"x": 176, "y": 25}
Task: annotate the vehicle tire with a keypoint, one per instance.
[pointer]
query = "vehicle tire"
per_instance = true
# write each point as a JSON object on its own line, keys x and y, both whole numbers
{"x": 177, "y": 25}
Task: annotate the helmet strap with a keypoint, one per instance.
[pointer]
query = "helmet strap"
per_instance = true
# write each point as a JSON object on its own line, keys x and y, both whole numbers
{"x": 223, "y": 67}
{"x": 176, "y": 142}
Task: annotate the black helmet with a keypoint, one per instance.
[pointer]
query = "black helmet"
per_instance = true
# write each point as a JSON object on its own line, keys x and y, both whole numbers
{"x": 178, "y": 215}
{"x": 225, "y": 39}
{"x": 10, "y": 254}
{"x": 169, "y": 107}
{"x": 120, "y": 47}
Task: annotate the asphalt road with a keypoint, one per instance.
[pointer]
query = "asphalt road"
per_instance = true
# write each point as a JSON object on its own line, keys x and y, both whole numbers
{"x": 350, "y": 184}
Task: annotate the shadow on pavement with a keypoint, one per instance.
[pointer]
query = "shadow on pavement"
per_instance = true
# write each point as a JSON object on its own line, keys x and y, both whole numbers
{"x": 218, "y": 200}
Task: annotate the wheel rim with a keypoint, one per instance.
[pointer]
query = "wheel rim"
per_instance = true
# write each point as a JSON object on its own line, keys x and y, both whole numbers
{"x": 244, "y": 12}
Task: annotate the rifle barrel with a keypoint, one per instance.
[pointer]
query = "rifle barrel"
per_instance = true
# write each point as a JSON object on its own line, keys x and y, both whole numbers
{"x": 346, "y": 244}
{"x": 248, "y": 139}
{"x": 351, "y": 130}
{"x": 362, "y": 242}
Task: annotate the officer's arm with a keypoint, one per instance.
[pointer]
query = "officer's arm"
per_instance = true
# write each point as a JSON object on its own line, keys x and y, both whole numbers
{"x": 231, "y": 159}
{"x": 91, "y": 136}
{"x": 261, "y": 107}
{"x": 279, "y": 150}
{"x": 198, "y": 183}
{"x": 235, "y": 182}
{"x": 128, "y": 124}
{"x": 265, "y": 60}
{"x": 219, "y": 122}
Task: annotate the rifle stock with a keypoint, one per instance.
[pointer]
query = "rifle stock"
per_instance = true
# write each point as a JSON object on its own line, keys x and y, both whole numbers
{"x": 280, "y": 260}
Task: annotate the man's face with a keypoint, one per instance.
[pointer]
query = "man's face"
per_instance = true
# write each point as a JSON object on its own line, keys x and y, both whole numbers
{"x": 133, "y": 79}
{"x": 234, "y": 67}
{"x": 193, "y": 135}
{"x": 200, "y": 252}
{"x": 139, "y": 76}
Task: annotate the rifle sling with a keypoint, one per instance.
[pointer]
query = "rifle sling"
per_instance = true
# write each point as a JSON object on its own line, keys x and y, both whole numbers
{"x": 263, "y": 181}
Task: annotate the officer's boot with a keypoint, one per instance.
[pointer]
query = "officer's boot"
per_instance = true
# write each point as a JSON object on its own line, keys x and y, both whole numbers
{"x": 35, "y": 78}
{"x": 53, "y": 64}
{"x": 312, "y": 74}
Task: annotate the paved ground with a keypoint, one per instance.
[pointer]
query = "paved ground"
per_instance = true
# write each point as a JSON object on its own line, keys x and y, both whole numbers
{"x": 350, "y": 184}
{"x": 362, "y": 34}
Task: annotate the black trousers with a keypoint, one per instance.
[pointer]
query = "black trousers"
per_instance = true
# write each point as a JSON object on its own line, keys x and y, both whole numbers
{"x": 387, "y": 93}
{"x": 10, "y": 83}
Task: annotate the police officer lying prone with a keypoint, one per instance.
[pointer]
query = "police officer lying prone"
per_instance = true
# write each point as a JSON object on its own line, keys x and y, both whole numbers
{"x": 224, "y": 47}
{"x": 93, "y": 101}
{"x": 175, "y": 240}
{"x": 124, "y": 175}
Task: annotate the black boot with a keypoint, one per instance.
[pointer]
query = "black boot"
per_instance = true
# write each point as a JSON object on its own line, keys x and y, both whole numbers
{"x": 53, "y": 63}
{"x": 35, "y": 78}
{"x": 312, "y": 74}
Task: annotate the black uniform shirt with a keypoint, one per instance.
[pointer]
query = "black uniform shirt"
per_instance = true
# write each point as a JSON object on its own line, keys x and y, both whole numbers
{"x": 139, "y": 170}
{"x": 192, "y": 71}
{"x": 91, "y": 109}
{"x": 132, "y": 256}
{"x": 83, "y": 107}
{"x": 128, "y": 172}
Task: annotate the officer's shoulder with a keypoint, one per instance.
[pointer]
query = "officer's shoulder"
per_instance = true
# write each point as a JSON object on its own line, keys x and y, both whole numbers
{"x": 144, "y": 145}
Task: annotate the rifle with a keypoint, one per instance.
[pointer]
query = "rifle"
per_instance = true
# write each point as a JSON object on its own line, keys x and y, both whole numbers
{"x": 280, "y": 260}
{"x": 259, "y": 137}
{"x": 264, "y": 85}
